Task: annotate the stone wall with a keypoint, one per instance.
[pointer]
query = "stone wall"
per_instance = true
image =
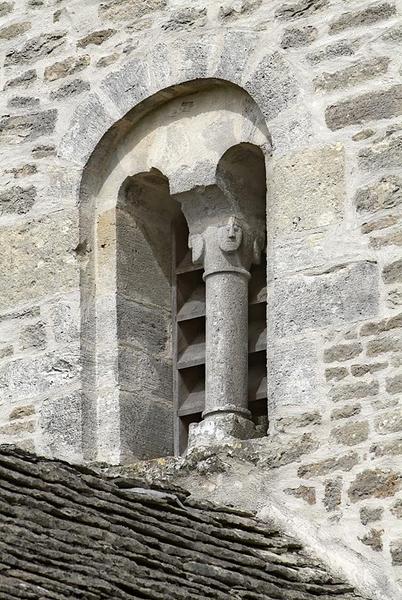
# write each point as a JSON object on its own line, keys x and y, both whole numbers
{"x": 326, "y": 76}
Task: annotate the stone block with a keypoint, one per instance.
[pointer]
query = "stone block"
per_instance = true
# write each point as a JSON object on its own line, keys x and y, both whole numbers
{"x": 384, "y": 344}
{"x": 389, "y": 422}
{"x": 365, "y": 107}
{"x": 60, "y": 422}
{"x": 19, "y": 428}
{"x": 95, "y": 38}
{"x": 362, "y": 370}
{"x": 373, "y": 539}
{"x": 342, "y": 352}
{"x": 145, "y": 376}
{"x": 322, "y": 468}
{"x": 396, "y": 552}
{"x": 374, "y": 483}
{"x": 331, "y": 51}
{"x": 26, "y": 128}
{"x": 36, "y": 48}
{"x": 383, "y": 195}
{"x": 231, "y": 11}
{"x": 293, "y": 376}
{"x": 37, "y": 260}
{"x": 122, "y": 10}
{"x": 344, "y": 294}
{"x": 304, "y": 492}
{"x": 350, "y": 391}
{"x": 23, "y": 102}
{"x": 15, "y": 30}
{"x": 72, "y": 88}
{"x": 392, "y": 273}
{"x": 65, "y": 321}
{"x": 33, "y": 337}
{"x": 6, "y": 8}
{"x": 352, "y": 75}
{"x": 146, "y": 428}
{"x": 6, "y": 352}
{"x": 273, "y": 85}
{"x": 308, "y": 189}
{"x": 295, "y": 37}
{"x": 363, "y": 18}
{"x": 378, "y": 224}
{"x": 21, "y": 412}
{"x": 143, "y": 327}
{"x": 66, "y": 67}
{"x": 347, "y": 411}
{"x": 286, "y": 424}
{"x": 394, "y": 385}
{"x": 279, "y": 455}
{"x": 385, "y": 153}
{"x": 17, "y": 200}
{"x": 299, "y": 9}
{"x": 393, "y": 448}
{"x": 333, "y": 494}
{"x": 185, "y": 18}
{"x": 336, "y": 373}
{"x": 369, "y": 514}
{"x": 351, "y": 433}
{"x": 24, "y": 80}
{"x": 396, "y": 509}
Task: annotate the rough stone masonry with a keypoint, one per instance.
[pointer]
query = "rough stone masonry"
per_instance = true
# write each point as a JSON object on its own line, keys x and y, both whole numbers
{"x": 90, "y": 92}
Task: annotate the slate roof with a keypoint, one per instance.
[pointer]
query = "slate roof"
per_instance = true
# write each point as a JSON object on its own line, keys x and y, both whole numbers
{"x": 68, "y": 532}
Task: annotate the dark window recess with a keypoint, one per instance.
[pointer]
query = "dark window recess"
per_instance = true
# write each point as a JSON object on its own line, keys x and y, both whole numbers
{"x": 189, "y": 341}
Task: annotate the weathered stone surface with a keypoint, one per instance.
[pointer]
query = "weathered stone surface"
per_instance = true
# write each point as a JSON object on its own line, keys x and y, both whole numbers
{"x": 60, "y": 420}
{"x": 72, "y": 88}
{"x": 304, "y": 492}
{"x": 308, "y": 189}
{"x": 185, "y": 18}
{"x": 300, "y": 8}
{"x": 396, "y": 509}
{"x": 233, "y": 10}
{"x": 352, "y": 75}
{"x": 391, "y": 238}
{"x": 36, "y": 48}
{"x": 349, "y": 391}
{"x": 366, "y": 107}
{"x": 342, "y": 352}
{"x": 23, "y": 171}
{"x": 374, "y": 483}
{"x": 369, "y": 514}
{"x": 33, "y": 337}
{"x": 27, "y": 127}
{"x": 105, "y": 61}
{"x": 379, "y": 224}
{"x": 20, "y": 412}
{"x": 273, "y": 85}
{"x": 17, "y": 200}
{"x": 23, "y": 102}
{"x": 393, "y": 448}
{"x": 384, "y": 344}
{"x": 279, "y": 456}
{"x": 351, "y": 433}
{"x": 364, "y": 134}
{"x": 19, "y": 428}
{"x": 330, "y": 465}
{"x": 367, "y": 16}
{"x": 66, "y": 67}
{"x": 333, "y": 493}
{"x": 347, "y": 411}
{"x": 95, "y": 38}
{"x": 396, "y": 552}
{"x": 389, "y": 422}
{"x": 392, "y": 273}
{"x": 120, "y": 10}
{"x": 345, "y": 293}
{"x": 142, "y": 326}
{"x": 284, "y": 424}
{"x": 331, "y": 51}
{"x": 336, "y": 373}
{"x": 23, "y": 80}
{"x": 42, "y": 250}
{"x": 373, "y": 539}
{"x": 5, "y": 8}
{"x": 295, "y": 37}
{"x": 361, "y": 370}
{"x": 43, "y": 150}
{"x": 394, "y": 385}
{"x": 16, "y": 29}
{"x": 383, "y": 195}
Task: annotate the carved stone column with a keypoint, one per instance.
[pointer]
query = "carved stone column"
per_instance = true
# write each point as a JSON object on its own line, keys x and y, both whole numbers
{"x": 227, "y": 251}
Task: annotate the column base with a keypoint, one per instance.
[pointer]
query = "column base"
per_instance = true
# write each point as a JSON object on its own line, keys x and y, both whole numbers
{"x": 220, "y": 428}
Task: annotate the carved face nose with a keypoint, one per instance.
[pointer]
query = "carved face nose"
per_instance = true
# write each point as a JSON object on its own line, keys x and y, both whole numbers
{"x": 232, "y": 232}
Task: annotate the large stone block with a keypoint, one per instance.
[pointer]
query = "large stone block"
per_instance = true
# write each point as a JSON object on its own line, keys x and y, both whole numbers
{"x": 293, "y": 376}
{"x": 38, "y": 259}
{"x": 352, "y": 75}
{"x": 146, "y": 428}
{"x": 60, "y": 422}
{"x": 36, "y": 48}
{"x": 26, "y": 128}
{"x": 343, "y": 294}
{"x": 367, "y": 16}
{"x": 382, "y": 154}
{"x": 145, "y": 376}
{"x": 308, "y": 189}
{"x": 374, "y": 483}
{"x": 299, "y": 9}
{"x": 366, "y": 107}
{"x": 142, "y": 326}
{"x": 273, "y": 85}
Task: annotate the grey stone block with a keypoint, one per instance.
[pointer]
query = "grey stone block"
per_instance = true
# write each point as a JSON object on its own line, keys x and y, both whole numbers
{"x": 17, "y": 200}
{"x": 142, "y": 326}
{"x": 60, "y": 423}
{"x": 344, "y": 294}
